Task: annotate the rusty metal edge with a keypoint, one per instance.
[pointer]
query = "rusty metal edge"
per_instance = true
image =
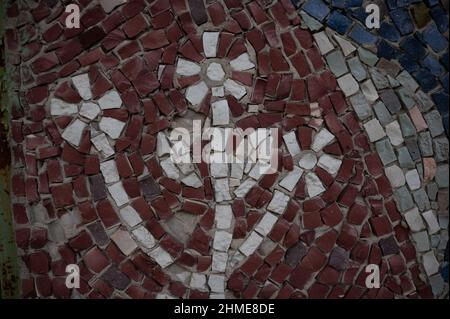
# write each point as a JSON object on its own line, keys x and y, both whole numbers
{"x": 9, "y": 269}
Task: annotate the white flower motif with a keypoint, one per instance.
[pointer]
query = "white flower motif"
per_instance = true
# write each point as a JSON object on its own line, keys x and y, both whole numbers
{"x": 214, "y": 72}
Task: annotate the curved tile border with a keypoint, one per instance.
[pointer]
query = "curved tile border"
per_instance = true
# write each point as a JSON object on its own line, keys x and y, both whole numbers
{"x": 407, "y": 132}
{"x": 413, "y": 33}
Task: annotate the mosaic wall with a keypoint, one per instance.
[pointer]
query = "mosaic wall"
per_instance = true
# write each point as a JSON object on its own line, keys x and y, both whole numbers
{"x": 359, "y": 117}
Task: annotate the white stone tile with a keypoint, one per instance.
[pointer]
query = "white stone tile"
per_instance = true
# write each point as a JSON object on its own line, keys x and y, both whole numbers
{"x": 210, "y": 43}
{"x": 323, "y": 42}
{"x": 221, "y": 113}
{"x": 102, "y": 145}
{"x": 124, "y": 242}
{"x": 187, "y": 68}
{"x": 278, "y": 203}
{"x": 346, "y": 46}
{"x": 290, "y": 139}
{"x": 196, "y": 93}
{"x": 162, "y": 145}
{"x": 430, "y": 263}
{"x": 192, "y": 180}
{"x": 321, "y": 139}
{"x": 330, "y": 163}
{"x": 112, "y": 127}
{"x": 59, "y": 107}
{"x": 259, "y": 170}
{"x": 74, "y": 132}
{"x": 374, "y": 130}
{"x": 111, "y": 100}
{"x": 221, "y": 189}
{"x": 348, "y": 84}
{"x": 395, "y": 176}
{"x": 89, "y": 110}
{"x": 198, "y": 281}
{"x": 170, "y": 169}
{"x": 242, "y": 63}
{"x": 186, "y": 168}
{"x": 394, "y": 133}
{"x": 244, "y": 188}
{"x": 218, "y": 91}
{"x": 237, "y": 170}
{"x": 109, "y": 171}
{"x": 219, "y": 139}
{"x": 144, "y": 237}
{"x": 216, "y": 283}
{"x": 369, "y": 90}
{"x": 422, "y": 241}
{"x": 413, "y": 179}
{"x": 218, "y": 170}
{"x": 235, "y": 260}
{"x": 161, "y": 256}
{"x": 290, "y": 181}
{"x": 234, "y": 182}
{"x": 414, "y": 220}
{"x": 257, "y": 136}
{"x": 223, "y": 216}
{"x": 432, "y": 222}
{"x": 222, "y": 240}
{"x": 266, "y": 224}
{"x": 237, "y": 90}
{"x": 130, "y": 216}
{"x": 308, "y": 160}
{"x": 83, "y": 86}
{"x": 219, "y": 261}
{"x": 313, "y": 185}
{"x": 215, "y": 72}
{"x": 251, "y": 244}
{"x": 119, "y": 194}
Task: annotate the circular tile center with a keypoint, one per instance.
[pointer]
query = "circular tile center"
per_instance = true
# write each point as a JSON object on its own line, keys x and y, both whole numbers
{"x": 215, "y": 72}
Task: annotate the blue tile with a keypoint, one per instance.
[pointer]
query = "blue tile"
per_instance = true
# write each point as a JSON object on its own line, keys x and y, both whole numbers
{"x": 414, "y": 47}
{"x": 440, "y": 98}
{"x": 361, "y": 35}
{"x": 440, "y": 18}
{"x": 317, "y": 9}
{"x": 444, "y": 81}
{"x": 402, "y": 20}
{"x": 408, "y": 63}
{"x": 338, "y": 4}
{"x": 386, "y": 51}
{"x": 388, "y": 32}
{"x": 445, "y": 121}
{"x": 434, "y": 38}
{"x": 392, "y": 4}
{"x": 444, "y": 273}
{"x": 426, "y": 80}
{"x": 431, "y": 3}
{"x": 444, "y": 60}
{"x": 353, "y": 3}
{"x": 403, "y": 3}
{"x": 360, "y": 14}
{"x": 433, "y": 65}
{"x": 339, "y": 22}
